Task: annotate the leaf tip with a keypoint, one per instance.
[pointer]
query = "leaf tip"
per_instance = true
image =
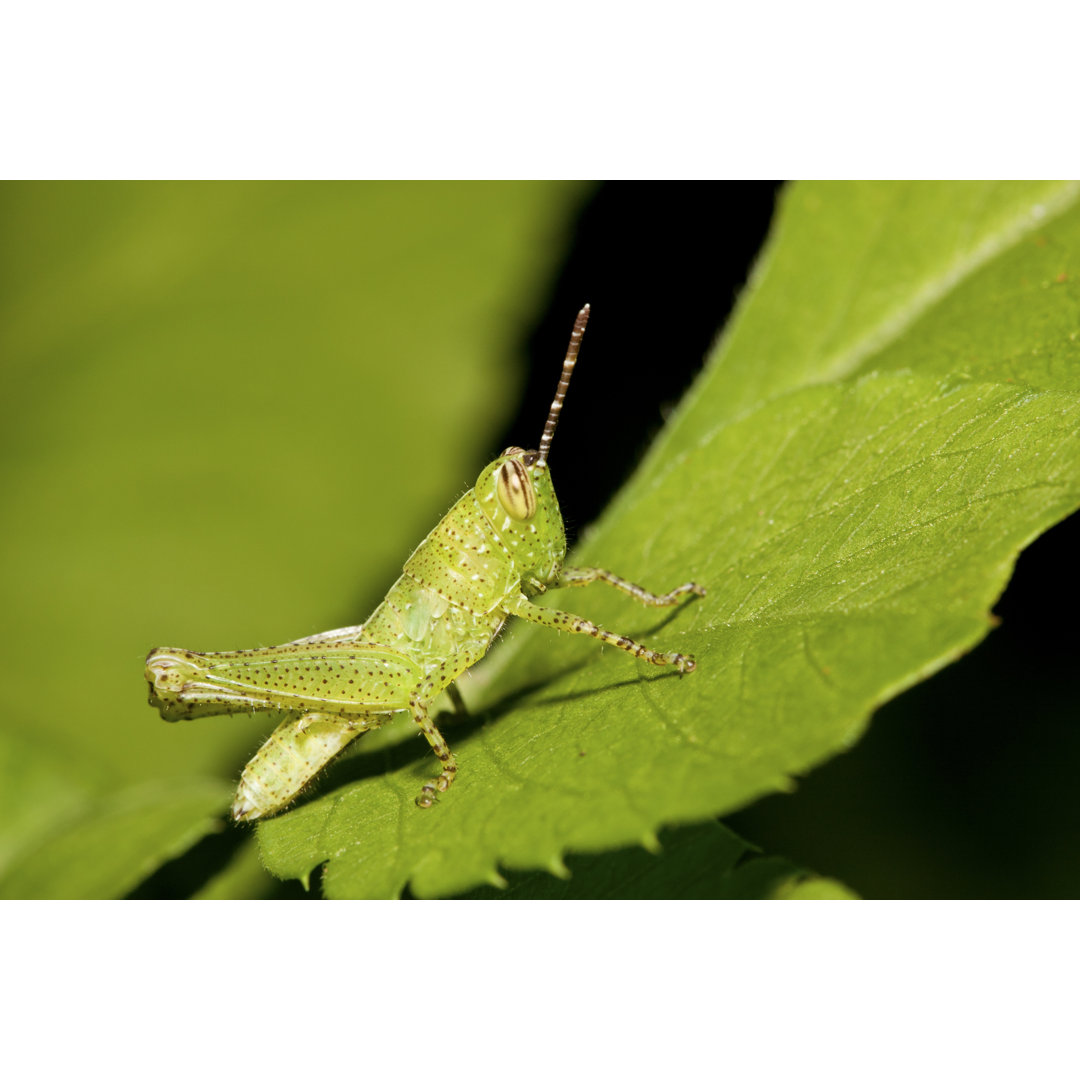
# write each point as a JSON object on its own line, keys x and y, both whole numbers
{"x": 495, "y": 879}
{"x": 651, "y": 843}
{"x": 557, "y": 867}
{"x": 786, "y": 785}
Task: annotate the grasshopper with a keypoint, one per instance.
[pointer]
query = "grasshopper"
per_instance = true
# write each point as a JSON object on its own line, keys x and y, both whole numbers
{"x": 499, "y": 546}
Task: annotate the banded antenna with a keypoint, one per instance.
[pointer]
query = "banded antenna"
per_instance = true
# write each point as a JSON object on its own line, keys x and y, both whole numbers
{"x": 564, "y": 381}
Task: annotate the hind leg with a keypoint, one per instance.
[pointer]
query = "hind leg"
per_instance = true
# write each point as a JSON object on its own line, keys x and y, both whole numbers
{"x": 297, "y": 749}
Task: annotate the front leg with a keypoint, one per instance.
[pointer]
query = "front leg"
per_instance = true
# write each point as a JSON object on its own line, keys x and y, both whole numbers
{"x": 419, "y": 700}
{"x": 563, "y": 620}
{"x": 431, "y": 790}
{"x": 572, "y": 576}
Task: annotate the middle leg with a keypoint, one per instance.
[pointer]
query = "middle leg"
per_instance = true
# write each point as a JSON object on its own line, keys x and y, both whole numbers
{"x": 572, "y": 576}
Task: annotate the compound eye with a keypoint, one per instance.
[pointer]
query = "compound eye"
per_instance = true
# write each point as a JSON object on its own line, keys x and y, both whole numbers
{"x": 516, "y": 492}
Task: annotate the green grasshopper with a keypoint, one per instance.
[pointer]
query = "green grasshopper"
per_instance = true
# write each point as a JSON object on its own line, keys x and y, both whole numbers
{"x": 500, "y": 545}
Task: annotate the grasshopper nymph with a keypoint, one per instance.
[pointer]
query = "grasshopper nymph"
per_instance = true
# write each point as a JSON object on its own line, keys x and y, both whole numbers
{"x": 501, "y": 544}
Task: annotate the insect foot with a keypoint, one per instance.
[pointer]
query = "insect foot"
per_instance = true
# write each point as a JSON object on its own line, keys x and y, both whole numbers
{"x": 429, "y": 793}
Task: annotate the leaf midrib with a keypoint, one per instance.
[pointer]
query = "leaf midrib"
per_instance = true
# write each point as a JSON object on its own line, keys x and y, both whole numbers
{"x": 885, "y": 330}
{"x": 890, "y": 327}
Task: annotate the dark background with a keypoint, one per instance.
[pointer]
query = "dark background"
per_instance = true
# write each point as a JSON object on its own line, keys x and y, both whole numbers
{"x": 964, "y": 786}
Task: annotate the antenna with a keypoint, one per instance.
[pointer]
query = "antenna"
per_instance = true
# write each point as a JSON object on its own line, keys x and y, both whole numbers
{"x": 564, "y": 382}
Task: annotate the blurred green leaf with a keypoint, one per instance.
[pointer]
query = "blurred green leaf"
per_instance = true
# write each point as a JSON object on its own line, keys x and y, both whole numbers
{"x": 118, "y": 841}
{"x": 40, "y": 791}
{"x": 811, "y": 887}
{"x": 891, "y": 417}
{"x": 243, "y": 878}
{"x": 231, "y": 408}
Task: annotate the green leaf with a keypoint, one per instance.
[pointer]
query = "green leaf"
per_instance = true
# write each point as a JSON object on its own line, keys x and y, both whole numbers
{"x": 118, "y": 842}
{"x": 40, "y": 791}
{"x": 891, "y": 417}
